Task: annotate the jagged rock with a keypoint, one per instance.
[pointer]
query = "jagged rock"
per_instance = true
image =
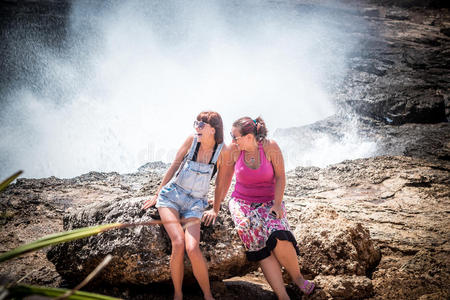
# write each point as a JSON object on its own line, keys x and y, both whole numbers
{"x": 141, "y": 254}
{"x": 333, "y": 245}
{"x": 418, "y": 274}
{"x": 403, "y": 201}
{"x": 412, "y": 3}
{"x": 399, "y": 78}
{"x": 424, "y": 108}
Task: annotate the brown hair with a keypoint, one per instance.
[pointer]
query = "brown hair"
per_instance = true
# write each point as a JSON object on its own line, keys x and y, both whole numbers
{"x": 247, "y": 125}
{"x": 215, "y": 120}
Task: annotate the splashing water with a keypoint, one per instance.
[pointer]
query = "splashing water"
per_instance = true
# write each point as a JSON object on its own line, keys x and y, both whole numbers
{"x": 136, "y": 73}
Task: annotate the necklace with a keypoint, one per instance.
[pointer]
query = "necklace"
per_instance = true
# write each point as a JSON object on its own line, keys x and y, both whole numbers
{"x": 251, "y": 157}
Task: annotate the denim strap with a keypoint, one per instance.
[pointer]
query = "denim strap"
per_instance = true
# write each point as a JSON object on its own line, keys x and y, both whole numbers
{"x": 192, "y": 150}
{"x": 217, "y": 153}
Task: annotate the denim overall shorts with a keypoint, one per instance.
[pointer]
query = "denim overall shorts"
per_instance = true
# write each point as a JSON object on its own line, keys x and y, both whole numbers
{"x": 187, "y": 192}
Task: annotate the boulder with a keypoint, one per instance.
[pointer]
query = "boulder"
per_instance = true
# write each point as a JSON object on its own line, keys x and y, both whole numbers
{"x": 141, "y": 254}
{"x": 332, "y": 245}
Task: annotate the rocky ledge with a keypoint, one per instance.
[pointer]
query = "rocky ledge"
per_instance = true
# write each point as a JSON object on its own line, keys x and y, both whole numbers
{"x": 367, "y": 228}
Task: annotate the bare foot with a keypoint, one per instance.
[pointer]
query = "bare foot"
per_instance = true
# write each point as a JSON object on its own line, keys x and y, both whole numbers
{"x": 178, "y": 297}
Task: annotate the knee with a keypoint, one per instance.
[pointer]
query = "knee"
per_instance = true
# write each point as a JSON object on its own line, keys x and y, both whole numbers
{"x": 284, "y": 247}
{"x": 178, "y": 244}
{"x": 193, "y": 249}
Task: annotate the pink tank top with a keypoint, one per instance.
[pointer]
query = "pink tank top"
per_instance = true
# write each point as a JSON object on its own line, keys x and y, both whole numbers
{"x": 254, "y": 185}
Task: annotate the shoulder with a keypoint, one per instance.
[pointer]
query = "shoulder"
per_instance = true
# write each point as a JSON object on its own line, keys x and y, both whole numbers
{"x": 189, "y": 140}
{"x": 271, "y": 148}
{"x": 187, "y": 143}
{"x": 229, "y": 152}
{"x": 270, "y": 144}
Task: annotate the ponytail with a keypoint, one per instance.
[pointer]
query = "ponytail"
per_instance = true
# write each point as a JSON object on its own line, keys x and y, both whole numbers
{"x": 261, "y": 130}
{"x": 247, "y": 125}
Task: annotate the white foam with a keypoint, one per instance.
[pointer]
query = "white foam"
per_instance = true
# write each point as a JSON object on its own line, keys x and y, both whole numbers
{"x": 137, "y": 78}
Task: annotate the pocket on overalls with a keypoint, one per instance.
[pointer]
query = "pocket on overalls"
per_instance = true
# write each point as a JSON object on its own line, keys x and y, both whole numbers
{"x": 202, "y": 179}
{"x": 167, "y": 192}
{"x": 201, "y": 186}
{"x": 195, "y": 179}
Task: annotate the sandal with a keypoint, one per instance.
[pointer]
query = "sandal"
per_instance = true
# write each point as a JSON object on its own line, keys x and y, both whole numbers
{"x": 308, "y": 290}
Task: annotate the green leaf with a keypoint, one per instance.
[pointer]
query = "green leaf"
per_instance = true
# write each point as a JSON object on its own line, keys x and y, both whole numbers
{"x": 8, "y": 180}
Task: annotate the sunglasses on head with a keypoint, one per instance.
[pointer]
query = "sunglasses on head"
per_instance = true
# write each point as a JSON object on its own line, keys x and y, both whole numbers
{"x": 199, "y": 124}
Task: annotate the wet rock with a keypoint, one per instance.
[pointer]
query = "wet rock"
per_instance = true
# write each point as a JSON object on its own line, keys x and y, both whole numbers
{"x": 399, "y": 78}
{"x": 419, "y": 110}
{"x": 397, "y": 15}
{"x": 445, "y": 31}
{"x": 431, "y": 141}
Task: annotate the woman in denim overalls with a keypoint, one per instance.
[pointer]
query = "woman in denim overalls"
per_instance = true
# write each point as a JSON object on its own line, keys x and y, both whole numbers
{"x": 184, "y": 196}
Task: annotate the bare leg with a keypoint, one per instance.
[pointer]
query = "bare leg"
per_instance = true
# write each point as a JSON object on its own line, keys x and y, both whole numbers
{"x": 199, "y": 267}
{"x": 171, "y": 221}
{"x": 272, "y": 271}
{"x": 286, "y": 255}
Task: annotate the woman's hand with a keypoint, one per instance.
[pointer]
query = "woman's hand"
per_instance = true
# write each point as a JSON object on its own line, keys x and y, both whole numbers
{"x": 150, "y": 202}
{"x": 209, "y": 216}
{"x": 277, "y": 211}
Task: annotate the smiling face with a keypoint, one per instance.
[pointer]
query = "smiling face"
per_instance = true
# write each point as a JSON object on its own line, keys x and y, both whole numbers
{"x": 204, "y": 131}
{"x": 208, "y": 125}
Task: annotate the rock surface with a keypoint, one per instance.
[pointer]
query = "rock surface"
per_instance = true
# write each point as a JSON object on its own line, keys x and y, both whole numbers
{"x": 343, "y": 287}
{"x": 400, "y": 72}
{"x": 333, "y": 245}
{"x": 141, "y": 254}
{"x": 402, "y": 201}
{"x": 396, "y": 204}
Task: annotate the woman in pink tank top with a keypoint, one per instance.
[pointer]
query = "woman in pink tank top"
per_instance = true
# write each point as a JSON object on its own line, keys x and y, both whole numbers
{"x": 257, "y": 207}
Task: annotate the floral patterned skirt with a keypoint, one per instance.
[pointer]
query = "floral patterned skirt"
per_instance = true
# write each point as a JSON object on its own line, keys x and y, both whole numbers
{"x": 259, "y": 230}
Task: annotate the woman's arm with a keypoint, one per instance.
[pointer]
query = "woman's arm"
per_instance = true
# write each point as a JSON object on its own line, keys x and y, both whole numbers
{"x": 225, "y": 166}
{"x": 276, "y": 158}
{"x": 171, "y": 171}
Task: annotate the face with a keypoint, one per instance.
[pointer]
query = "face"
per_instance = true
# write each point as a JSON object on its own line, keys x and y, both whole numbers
{"x": 204, "y": 130}
{"x": 238, "y": 139}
